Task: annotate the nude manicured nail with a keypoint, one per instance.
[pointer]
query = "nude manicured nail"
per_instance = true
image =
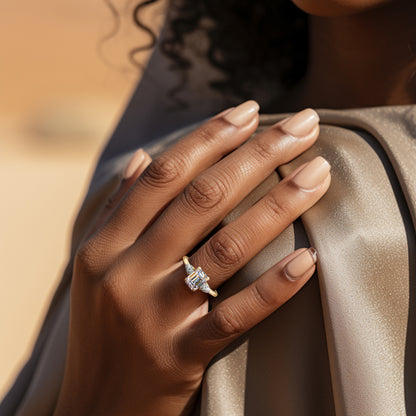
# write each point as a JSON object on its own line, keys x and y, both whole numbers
{"x": 298, "y": 266}
{"x": 300, "y": 124}
{"x": 243, "y": 113}
{"x": 134, "y": 164}
{"x": 223, "y": 113}
{"x": 313, "y": 174}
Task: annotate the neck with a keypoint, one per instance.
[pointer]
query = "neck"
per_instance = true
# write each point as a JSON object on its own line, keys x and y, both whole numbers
{"x": 362, "y": 60}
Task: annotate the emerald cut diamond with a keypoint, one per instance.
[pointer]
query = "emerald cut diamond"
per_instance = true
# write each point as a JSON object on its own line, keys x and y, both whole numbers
{"x": 197, "y": 280}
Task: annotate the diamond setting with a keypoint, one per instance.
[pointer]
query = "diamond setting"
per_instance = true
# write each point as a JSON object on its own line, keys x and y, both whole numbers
{"x": 198, "y": 280}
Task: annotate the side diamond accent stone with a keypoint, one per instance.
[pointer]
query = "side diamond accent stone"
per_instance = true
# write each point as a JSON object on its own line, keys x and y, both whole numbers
{"x": 189, "y": 269}
{"x": 205, "y": 288}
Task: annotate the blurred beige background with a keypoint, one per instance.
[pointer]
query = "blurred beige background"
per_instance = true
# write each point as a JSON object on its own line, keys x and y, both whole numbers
{"x": 59, "y": 100}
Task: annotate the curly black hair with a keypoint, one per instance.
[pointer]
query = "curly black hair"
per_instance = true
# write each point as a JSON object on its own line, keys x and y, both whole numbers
{"x": 252, "y": 42}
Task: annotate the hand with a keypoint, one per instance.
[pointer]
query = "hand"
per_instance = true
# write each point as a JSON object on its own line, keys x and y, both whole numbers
{"x": 139, "y": 339}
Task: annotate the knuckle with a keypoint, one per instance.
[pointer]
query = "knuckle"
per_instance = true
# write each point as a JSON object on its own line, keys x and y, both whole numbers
{"x": 226, "y": 250}
{"x": 263, "y": 298}
{"x": 266, "y": 148}
{"x": 163, "y": 170}
{"x": 107, "y": 292}
{"x": 225, "y": 324}
{"x": 87, "y": 259}
{"x": 209, "y": 133}
{"x": 205, "y": 193}
{"x": 276, "y": 208}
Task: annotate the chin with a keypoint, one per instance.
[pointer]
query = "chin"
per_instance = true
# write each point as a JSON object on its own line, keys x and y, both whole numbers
{"x": 328, "y": 8}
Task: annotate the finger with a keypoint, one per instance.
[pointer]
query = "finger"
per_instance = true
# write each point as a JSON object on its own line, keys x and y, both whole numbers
{"x": 170, "y": 172}
{"x": 136, "y": 166}
{"x": 238, "y": 242}
{"x": 237, "y": 314}
{"x": 216, "y": 191}
{"x": 233, "y": 246}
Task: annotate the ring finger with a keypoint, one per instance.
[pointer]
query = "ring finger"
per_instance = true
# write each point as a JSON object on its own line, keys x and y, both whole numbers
{"x": 233, "y": 246}
{"x": 212, "y": 332}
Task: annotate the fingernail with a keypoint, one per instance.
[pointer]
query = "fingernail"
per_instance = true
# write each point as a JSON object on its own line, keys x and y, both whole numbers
{"x": 242, "y": 114}
{"x": 223, "y": 113}
{"x": 313, "y": 174}
{"x": 133, "y": 165}
{"x": 298, "y": 266}
{"x": 300, "y": 124}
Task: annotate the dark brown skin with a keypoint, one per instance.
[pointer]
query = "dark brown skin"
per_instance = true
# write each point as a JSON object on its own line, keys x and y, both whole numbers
{"x": 331, "y": 8}
{"x": 143, "y": 337}
{"x": 359, "y": 59}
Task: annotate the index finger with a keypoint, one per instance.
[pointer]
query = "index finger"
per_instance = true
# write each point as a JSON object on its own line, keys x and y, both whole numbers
{"x": 170, "y": 172}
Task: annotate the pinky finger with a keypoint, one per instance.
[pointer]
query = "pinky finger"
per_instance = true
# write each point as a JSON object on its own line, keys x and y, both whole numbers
{"x": 237, "y": 314}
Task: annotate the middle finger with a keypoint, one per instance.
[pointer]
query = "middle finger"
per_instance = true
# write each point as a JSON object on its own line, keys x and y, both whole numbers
{"x": 215, "y": 192}
{"x": 237, "y": 243}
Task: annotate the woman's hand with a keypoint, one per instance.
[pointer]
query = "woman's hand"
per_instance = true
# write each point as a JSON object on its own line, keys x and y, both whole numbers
{"x": 139, "y": 339}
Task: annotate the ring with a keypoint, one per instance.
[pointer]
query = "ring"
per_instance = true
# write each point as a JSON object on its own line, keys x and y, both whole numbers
{"x": 197, "y": 278}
